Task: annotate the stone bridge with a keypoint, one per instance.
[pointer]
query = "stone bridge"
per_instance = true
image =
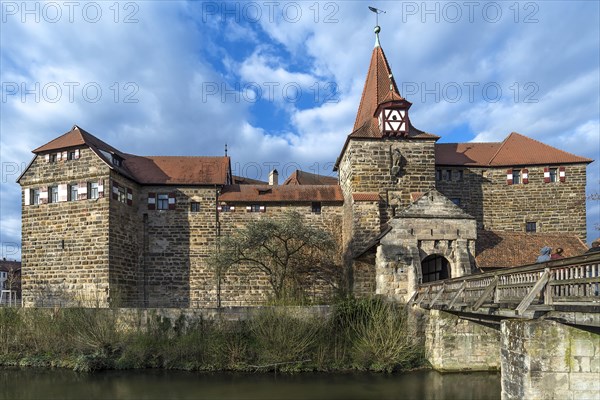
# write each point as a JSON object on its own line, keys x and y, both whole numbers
{"x": 539, "y": 324}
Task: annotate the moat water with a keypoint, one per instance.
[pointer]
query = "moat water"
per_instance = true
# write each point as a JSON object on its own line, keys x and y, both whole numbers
{"x": 41, "y": 384}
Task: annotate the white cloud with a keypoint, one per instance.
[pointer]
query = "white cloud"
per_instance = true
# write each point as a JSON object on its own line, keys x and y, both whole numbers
{"x": 176, "y": 52}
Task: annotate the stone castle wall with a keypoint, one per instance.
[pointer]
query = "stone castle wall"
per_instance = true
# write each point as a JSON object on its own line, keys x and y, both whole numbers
{"x": 557, "y": 207}
{"x": 246, "y": 284}
{"x": 65, "y": 255}
{"x": 367, "y": 166}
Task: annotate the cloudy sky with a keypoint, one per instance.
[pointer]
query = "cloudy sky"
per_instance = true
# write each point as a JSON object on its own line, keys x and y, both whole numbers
{"x": 280, "y": 82}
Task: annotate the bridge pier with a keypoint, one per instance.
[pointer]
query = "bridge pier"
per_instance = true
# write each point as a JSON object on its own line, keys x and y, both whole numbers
{"x": 542, "y": 359}
{"x": 456, "y": 344}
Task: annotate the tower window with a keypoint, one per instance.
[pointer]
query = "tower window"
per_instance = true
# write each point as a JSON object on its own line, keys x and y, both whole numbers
{"x": 516, "y": 173}
{"x": 316, "y": 207}
{"x": 459, "y": 175}
{"x": 195, "y": 206}
{"x": 93, "y": 190}
{"x": 73, "y": 192}
{"x": 53, "y": 197}
{"x": 530, "y": 227}
{"x": 162, "y": 201}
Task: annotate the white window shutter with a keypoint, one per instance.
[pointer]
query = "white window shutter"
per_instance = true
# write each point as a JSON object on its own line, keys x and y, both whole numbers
{"x": 77, "y": 154}
{"x": 26, "y": 195}
{"x": 47, "y": 157}
{"x": 64, "y": 155}
{"x": 62, "y": 192}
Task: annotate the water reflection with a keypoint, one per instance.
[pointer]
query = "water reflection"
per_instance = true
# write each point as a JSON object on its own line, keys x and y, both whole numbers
{"x": 160, "y": 384}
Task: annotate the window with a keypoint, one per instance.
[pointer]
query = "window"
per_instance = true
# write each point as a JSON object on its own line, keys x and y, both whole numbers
{"x": 194, "y": 206}
{"x": 93, "y": 190}
{"x": 116, "y": 160}
{"x": 71, "y": 155}
{"x": 459, "y": 174}
{"x": 530, "y": 227}
{"x": 162, "y": 202}
{"x": 73, "y": 195}
{"x": 446, "y": 175}
{"x": 456, "y": 200}
{"x": 53, "y": 194}
{"x": 226, "y": 208}
{"x": 53, "y": 157}
{"x": 316, "y": 207}
{"x": 122, "y": 195}
{"x": 34, "y": 197}
{"x": 553, "y": 174}
{"x": 516, "y": 173}
{"x": 255, "y": 208}
{"x": 438, "y": 174}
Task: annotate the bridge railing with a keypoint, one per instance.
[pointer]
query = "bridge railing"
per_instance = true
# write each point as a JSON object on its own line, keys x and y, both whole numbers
{"x": 569, "y": 281}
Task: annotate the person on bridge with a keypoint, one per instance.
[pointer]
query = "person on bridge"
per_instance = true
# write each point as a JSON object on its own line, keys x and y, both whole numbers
{"x": 557, "y": 254}
{"x": 544, "y": 254}
{"x": 595, "y": 247}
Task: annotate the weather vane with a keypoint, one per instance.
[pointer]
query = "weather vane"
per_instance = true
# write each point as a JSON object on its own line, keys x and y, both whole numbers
{"x": 377, "y": 27}
{"x": 377, "y": 12}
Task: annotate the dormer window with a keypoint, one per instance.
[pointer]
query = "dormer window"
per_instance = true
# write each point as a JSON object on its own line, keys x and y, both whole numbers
{"x": 116, "y": 160}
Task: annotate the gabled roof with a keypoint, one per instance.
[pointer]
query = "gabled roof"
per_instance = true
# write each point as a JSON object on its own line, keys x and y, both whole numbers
{"x": 242, "y": 180}
{"x": 77, "y": 137}
{"x": 299, "y": 177}
{"x": 156, "y": 170}
{"x": 516, "y": 149}
{"x": 433, "y": 204}
{"x": 177, "y": 170}
{"x": 510, "y": 249}
{"x": 281, "y": 194}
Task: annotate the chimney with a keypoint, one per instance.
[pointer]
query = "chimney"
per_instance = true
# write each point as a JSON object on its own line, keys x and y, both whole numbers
{"x": 274, "y": 178}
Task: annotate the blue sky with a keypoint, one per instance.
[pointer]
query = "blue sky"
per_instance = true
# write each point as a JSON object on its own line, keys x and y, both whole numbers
{"x": 280, "y": 82}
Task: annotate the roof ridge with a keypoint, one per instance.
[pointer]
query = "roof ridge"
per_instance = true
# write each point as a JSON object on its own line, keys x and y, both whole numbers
{"x": 544, "y": 144}
{"x": 500, "y": 148}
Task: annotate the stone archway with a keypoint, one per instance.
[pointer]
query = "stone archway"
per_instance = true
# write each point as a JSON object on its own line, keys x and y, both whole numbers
{"x": 434, "y": 268}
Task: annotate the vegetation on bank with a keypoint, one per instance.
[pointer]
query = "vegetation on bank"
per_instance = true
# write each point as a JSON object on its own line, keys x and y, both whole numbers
{"x": 359, "y": 335}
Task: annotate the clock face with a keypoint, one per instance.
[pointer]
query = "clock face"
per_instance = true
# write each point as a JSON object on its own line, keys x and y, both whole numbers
{"x": 393, "y": 120}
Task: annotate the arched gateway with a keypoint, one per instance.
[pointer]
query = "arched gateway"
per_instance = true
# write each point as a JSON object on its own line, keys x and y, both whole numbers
{"x": 434, "y": 268}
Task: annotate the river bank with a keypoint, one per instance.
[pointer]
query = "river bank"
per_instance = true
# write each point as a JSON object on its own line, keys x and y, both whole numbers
{"x": 357, "y": 335}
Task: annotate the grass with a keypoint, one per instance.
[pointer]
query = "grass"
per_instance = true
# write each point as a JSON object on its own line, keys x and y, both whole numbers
{"x": 363, "y": 335}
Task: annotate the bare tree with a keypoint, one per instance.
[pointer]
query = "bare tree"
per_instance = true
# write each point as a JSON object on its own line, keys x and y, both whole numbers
{"x": 287, "y": 250}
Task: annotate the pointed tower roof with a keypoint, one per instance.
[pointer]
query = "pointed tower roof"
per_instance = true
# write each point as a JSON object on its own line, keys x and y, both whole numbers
{"x": 377, "y": 87}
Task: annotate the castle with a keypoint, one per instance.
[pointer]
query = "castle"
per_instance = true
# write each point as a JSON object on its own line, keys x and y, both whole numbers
{"x": 111, "y": 228}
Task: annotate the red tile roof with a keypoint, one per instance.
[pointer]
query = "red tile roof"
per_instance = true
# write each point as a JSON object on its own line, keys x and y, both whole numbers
{"x": 368, "y": 196}
{"x": 242, "y": 180}
{"x": 174, "y": 170}
{"x": 281, "y": 194}
{"x": 299, "y": 177}
{"x": 160, "y": 170}
{"x": 516, "y": 149}
{"x": 510, "y": 249}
